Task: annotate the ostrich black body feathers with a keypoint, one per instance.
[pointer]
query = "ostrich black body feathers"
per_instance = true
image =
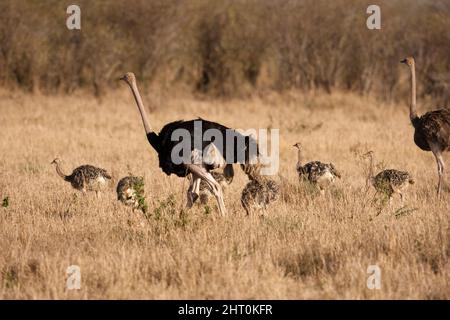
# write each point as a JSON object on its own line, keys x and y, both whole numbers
{"x": 164, "y": 145}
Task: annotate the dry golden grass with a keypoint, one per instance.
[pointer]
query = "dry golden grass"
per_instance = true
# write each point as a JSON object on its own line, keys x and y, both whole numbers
{"x": 307, "y": 247}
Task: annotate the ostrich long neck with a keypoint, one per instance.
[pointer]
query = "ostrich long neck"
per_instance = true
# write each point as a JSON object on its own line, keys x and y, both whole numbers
{"x": 371, "y": 170}
{"x": 412, "y": 107}
{"x": 137, "y": 97}
{"x": 59, "y": 171}
{"x": 299, "y": 158}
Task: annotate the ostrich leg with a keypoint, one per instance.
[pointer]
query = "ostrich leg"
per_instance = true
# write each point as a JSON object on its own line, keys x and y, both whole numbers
{"x": 441, "y": 173}
{"x": 193, "y": 191}
{"x": 196, "y": 188}
{"x": 190, "y": 200}
{"x": 212, "y": 183}
{"x": 217, "y": 190}
{"x": 402, "y": 197}
{"x": 440, "y": 166}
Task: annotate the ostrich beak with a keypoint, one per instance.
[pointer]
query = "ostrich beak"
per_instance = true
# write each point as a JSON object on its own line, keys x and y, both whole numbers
{"x": 403, "y": 61}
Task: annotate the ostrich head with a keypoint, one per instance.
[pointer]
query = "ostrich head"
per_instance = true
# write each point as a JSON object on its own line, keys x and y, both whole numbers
{"x": 368, "y": 154}
{"x": 56, "y": 161}
{"x": 253, "y": 171}
{"x": 298, "y": 145}
{"x": 129, "y": 78}
{"x": 409, "y": 61}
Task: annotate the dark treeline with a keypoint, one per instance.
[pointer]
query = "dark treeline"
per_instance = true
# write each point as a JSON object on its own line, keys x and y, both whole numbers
{"x": 227, "y": 48}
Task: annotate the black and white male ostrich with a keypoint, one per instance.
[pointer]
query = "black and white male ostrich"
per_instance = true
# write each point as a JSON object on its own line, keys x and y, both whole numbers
{"x": 432, "y": 129}
{"x": 199, "y": 163}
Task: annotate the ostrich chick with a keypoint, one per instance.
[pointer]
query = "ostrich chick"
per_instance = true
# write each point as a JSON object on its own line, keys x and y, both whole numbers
{"x": 259, "y": 192}
{"x": 388, "y": 181}
{"x": 84, "y": 178}
{"x": 316, "y": 172}
{"x": 130, "y": 191}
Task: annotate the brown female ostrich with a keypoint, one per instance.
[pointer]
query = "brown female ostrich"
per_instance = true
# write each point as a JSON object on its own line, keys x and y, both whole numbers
{"x": 84, "y": 178}
{"x": 389, "y": 181}
{"x": 432, "y": 130}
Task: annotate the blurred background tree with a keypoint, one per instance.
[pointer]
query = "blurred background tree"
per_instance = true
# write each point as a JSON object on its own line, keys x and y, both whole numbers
{"x": 231, "y": 48}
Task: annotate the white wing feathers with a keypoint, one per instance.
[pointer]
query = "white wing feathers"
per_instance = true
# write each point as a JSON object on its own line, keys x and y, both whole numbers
{"x": 211, "y": 156}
